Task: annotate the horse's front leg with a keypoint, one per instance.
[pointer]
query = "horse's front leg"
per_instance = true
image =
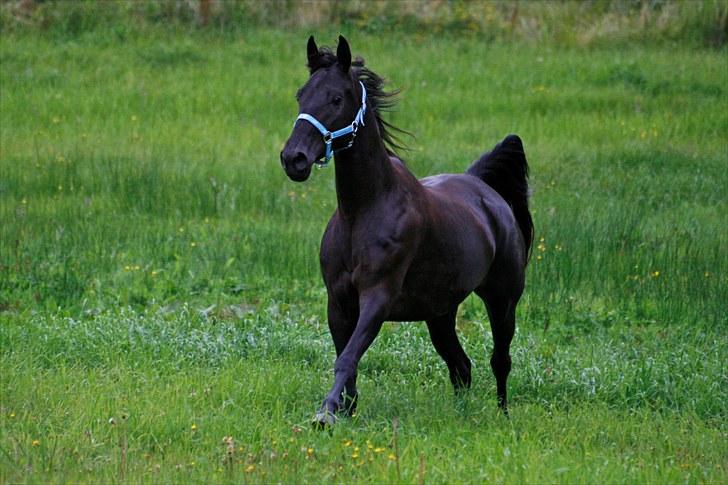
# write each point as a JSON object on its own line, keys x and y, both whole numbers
{"x": 373, "y": 308}
{"x": 343, "y": 312}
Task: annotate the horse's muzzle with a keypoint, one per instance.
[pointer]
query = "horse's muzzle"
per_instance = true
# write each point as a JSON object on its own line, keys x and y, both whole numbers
{"x": 296, "y": 164}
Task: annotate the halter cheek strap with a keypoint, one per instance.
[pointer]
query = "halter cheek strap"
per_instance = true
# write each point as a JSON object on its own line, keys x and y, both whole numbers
{"x": 330, "y": 136}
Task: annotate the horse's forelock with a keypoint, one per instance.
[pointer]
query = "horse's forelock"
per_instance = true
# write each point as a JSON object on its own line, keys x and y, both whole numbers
{"x": 326, "y": 58}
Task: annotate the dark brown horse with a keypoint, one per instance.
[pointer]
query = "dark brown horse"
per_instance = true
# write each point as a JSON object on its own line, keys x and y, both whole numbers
{"x": 403, "y": 249}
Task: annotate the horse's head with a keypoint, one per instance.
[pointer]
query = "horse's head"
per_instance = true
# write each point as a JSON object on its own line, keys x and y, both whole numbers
{"x": 328, "y": 102}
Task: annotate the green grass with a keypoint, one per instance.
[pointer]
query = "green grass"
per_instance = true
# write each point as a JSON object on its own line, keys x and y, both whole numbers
{"x": 156, "y": 264}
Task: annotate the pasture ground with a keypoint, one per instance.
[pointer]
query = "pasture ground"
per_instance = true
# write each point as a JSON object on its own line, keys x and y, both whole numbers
{"x": 163, "y": 319}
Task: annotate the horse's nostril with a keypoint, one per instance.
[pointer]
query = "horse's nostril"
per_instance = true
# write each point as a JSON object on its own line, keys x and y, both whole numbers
{"x": 297, "y": 160}
{"x": 300, "y": 161}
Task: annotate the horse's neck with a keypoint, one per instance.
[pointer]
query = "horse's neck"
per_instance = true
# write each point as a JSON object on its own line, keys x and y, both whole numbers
{"x": 364, "y": 172}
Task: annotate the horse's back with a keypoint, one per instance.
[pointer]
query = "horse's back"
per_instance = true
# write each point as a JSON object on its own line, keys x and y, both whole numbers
{"x": 481, "y": 201}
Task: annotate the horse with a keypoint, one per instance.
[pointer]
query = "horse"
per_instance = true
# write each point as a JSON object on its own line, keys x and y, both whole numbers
{"x": 402, "y": 249}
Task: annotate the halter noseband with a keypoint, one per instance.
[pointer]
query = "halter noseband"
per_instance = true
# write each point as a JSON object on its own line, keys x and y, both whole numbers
{"x": 330, "y": 136}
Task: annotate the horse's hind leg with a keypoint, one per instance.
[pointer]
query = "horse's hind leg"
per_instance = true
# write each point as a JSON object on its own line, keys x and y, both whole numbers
{"x": 445, "y": 340}
{"x": 502, "y": 314}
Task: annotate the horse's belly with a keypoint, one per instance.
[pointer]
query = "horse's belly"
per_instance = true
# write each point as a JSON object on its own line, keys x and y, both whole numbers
{"x": 423, "y": 298}
{"x": 423, "y": 307}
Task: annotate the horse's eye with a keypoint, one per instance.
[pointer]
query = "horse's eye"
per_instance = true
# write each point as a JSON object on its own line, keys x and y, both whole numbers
{"x": 337, "y": 100}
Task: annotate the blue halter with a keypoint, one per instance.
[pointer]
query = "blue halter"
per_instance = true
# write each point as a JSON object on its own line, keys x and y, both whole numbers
{"x": 330, "y": 136}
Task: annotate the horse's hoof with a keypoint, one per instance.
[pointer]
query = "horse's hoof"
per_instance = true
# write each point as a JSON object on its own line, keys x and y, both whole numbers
{"x": 324, "y": 419}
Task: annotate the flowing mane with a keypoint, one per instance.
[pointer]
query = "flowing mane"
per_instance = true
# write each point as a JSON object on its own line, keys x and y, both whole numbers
{"x": 380, "y": 100}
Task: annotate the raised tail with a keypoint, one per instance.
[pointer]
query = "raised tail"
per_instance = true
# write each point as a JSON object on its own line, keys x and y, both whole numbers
{"x": 505, "y": 169}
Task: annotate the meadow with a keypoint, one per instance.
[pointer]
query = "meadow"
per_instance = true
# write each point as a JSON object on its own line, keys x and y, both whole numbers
{"x": 162, "y": 317}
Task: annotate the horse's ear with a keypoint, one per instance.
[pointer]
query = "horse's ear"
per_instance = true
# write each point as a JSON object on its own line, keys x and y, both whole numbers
{"x": 343, "y": 54}
{"x": 312, "y": 52}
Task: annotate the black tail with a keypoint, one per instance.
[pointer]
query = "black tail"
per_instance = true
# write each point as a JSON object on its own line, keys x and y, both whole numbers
{"x": 506, "y": 170}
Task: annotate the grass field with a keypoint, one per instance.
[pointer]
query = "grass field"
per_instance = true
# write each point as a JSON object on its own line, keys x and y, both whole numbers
{"x": 163, "y": 318}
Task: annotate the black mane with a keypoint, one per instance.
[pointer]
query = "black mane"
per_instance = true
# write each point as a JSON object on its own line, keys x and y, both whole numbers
{"x": 380, "y": 100}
